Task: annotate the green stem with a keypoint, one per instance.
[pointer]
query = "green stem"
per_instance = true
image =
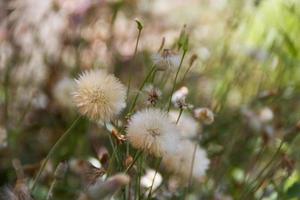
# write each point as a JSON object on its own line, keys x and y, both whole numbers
{"x": 52, "y": 150}
{"x": 156, "y": 169}
{"x": 192, "y": 167}
{"x": 176, "y": 76}
{"x": 263, "y": 170}
{"x": 137, "y": 155}
{"x": 50, "y": 193}
{"x": 141, "y": 87}
{"x": 137, "y": 42}
{"x": 180, "y": 113}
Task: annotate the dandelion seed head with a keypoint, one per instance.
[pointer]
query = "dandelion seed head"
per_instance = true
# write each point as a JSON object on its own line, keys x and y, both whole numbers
{"x": 62, "y": 91}
{"x": 99, "y": 96}
{"x": 167, "y": 60}
{"x": 188, "y": 126}
{"x": 151, "y": 178}
{"x": 180, "y": 162}
{"x": 205, "y": 115}
{"x": 152, "y": 131}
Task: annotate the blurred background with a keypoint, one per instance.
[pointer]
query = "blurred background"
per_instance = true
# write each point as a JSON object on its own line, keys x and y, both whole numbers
{"x": 247, "y": 71}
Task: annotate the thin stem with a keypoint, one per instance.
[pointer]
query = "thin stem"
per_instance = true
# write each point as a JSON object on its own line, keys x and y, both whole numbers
{"x": 137, "y": 155}
{"x": 52, "y": 150}
{"x": 180, "y": 113}
{"x": 176, "y": 76}
{"x": 140, "y": 89}
{"x": 263, "y": 170}
{"x": 137, "y": 42}
{"x": 50, "y": 193}
{"x": 156, "y": 169}
{"x": 192, "y": 166}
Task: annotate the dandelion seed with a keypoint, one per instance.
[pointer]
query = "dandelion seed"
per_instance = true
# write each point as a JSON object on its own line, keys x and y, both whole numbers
{"x": 99, "y": 96}
{"x": 167, "y": 60}
{"x": 205, "y": 115}
{"x": 152, "y": 131}
{"x": 188, "y": 126}
{"x": 180, "y": 161}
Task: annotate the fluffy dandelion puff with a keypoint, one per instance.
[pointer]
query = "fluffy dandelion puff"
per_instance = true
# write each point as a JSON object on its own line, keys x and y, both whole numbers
{"x": 151, "y": 178}
{"x": 205, "y": 115}
{"x": 167, "y": 60}
{"x": 98, "y": 95}
{"x": 183, "y": 163}
{"x": 152, "y": 131}
{"x": 187, "y": 125}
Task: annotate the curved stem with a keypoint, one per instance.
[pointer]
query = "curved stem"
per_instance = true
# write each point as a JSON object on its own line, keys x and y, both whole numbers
{"x": 52, "y": 150}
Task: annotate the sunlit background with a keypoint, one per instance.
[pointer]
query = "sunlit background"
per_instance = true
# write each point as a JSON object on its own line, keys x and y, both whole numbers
{"x": 247, "y": 72}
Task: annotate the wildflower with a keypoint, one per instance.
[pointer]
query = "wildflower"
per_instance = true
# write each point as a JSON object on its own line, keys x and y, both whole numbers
{"x": 179, "y": 98}
{"x": 187, "y": 125}
{"x": 205, "y": 115}
{"x": 151, "y": 178}
{"x": 167, "y": 60}
{"x": 98, "y": 95}
{"x": 153, "y": 94}
{"x": 183, "y": 163}
{"x": 151, "y": 130}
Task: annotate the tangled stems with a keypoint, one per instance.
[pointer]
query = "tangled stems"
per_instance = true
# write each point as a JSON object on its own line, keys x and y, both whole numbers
{"x": 52, "y": 150}
{"x": 176, "y": 76}
{"x": 262, "y": 171}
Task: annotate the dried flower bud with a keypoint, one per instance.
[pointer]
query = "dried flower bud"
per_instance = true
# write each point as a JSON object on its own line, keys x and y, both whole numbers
{"x": 205, "y": 115}
{"x": 153, "y": 95}
{"x": 179, "y": 98}
{"x": 87, "y": 171}
{"x": 193, "y": 59}
{"x": 103, "y": 156}
{"x": 128, "y": 161}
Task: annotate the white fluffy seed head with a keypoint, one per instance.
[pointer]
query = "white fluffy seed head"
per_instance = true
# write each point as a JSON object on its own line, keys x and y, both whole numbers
{"x": 98, "y": 95}
{"x": 181, "y": 163}
{"x": 205, "y": 115}
{"x": 167, "y": 59}
{"x": 151, "y": 130}
{"x": 188, "y": 126}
